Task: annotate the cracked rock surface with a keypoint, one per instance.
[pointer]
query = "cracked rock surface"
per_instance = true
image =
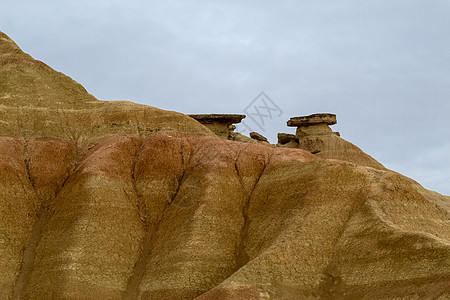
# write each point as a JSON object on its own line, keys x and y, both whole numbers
{"x": 114, "y": 200}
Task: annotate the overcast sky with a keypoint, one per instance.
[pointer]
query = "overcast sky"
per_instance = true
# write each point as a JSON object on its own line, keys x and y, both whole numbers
{"x": 382, "y": 66}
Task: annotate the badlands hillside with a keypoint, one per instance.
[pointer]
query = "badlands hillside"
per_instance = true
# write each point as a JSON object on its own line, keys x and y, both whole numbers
{"x": 115, "y": 200}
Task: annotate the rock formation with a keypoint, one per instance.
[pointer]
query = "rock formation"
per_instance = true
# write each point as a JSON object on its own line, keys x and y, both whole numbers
{"x": 114, "y": 200}
{"x": 313, "y": 134}
{"x": 316, "y": 124}
{"x": 220, "y": 124}
{"x": 259, "y": 137}
{"x": 287, "y": 140}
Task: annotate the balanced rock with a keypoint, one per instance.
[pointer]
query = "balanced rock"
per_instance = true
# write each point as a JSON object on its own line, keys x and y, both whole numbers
{"x": 220, "y": 124}
{"x": 316, "y": 124}
{"x": 329, "y": 119}
{"x": 315, "y": 135}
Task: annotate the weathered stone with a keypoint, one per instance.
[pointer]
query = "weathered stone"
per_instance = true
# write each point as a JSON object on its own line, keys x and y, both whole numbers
{"x": 258, "y": 136}
{"x": 315, "y": 136}
{"x": 286, "y": 137}
{"x": 219, "y": 118}
{"x": 287, "y": 140}
{"x": 220, "y": 124}
{"x": 238, "y": 137}
{"x": 329, "y": 119}
{"x": 316, "y": 124}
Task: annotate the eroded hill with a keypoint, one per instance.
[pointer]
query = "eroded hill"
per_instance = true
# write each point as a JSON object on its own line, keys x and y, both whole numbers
{"x": 114, "y": 200}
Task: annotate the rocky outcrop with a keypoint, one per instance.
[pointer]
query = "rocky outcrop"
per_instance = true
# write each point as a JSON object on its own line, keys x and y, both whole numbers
{"x": 220, "y": 124}
{"x": 123, "y": 201}
{"x": 313, "y": 121}
{"x": 259, "y": 137}
{"x": 287, "y": 140}
{"x": 314, "y": 135}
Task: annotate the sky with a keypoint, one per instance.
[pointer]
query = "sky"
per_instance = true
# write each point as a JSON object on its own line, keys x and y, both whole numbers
{"x": 383, "y": 67}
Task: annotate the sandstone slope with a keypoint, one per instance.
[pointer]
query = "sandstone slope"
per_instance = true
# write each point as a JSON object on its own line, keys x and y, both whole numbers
{"x": 35, "y": 100}
{"x": 114, "y": 200}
